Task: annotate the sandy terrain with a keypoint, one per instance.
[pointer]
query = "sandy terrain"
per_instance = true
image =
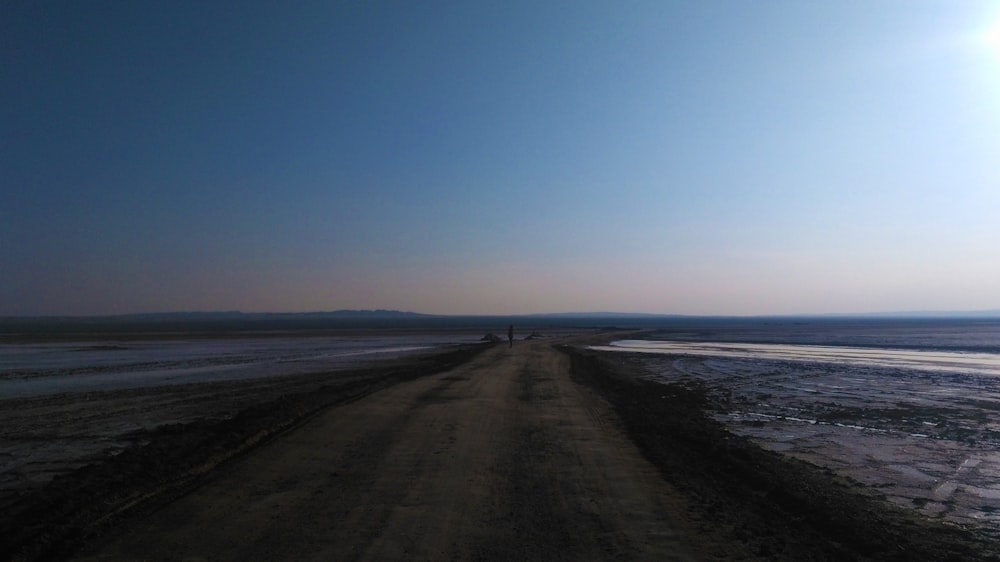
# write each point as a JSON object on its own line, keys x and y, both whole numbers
{"x": 543, "y": 451}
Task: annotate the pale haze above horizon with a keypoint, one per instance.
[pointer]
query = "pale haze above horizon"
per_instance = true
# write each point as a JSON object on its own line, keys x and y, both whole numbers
{"x": 706, "y": 158}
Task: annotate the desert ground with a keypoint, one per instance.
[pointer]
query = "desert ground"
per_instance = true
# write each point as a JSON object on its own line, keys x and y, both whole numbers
{"x": 543, "y": 451}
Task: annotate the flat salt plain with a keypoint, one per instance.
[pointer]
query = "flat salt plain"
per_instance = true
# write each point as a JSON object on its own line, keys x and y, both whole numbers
{"x": 64, "y": 405}
{"x": 923, "y": 427}
{"x": 39, "y": 369}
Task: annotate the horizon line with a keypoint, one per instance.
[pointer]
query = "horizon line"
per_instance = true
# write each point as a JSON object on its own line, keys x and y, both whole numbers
{"x": 583, "y": 314}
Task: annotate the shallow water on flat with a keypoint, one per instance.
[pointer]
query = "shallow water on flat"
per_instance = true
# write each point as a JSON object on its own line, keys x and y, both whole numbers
{"x": 923, "y": 427}
{"x": 38, "y": 369}
{"x": 945, "y": 361}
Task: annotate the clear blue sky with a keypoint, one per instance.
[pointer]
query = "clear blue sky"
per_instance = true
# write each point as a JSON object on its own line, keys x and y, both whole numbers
{"x": 727, "y": 157}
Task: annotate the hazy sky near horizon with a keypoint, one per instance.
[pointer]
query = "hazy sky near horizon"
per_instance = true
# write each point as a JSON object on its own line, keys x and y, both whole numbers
{"x": 711, "y": 157}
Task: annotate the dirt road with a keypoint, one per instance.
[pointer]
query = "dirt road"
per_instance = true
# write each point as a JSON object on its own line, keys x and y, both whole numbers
{"x": 504, "y": 457}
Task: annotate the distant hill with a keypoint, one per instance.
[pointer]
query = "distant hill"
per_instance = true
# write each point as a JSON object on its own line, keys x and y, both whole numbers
{"x": 603, "y": 315}
{"x": 343, "y": 313}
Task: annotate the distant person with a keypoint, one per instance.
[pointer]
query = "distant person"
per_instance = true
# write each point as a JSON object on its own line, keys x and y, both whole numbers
{"x": 510, "y": 335}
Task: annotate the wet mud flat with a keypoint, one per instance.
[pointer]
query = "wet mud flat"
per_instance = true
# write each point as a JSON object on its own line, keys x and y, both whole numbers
{"x": 771, "y": 505}
{"x": 45, "y": 437}
{"x": 75, "y": 465}
{"x": 65, "y": 404}
{"x": 929, "y": 441}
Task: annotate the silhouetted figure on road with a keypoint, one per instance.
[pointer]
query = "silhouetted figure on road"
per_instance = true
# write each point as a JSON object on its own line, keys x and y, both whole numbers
{"x": 510, "y": 335}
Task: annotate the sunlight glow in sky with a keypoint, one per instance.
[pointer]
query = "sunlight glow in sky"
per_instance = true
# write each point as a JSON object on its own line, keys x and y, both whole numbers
{"x": 700, "y": 158}
{"x": 991, "y": 39}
